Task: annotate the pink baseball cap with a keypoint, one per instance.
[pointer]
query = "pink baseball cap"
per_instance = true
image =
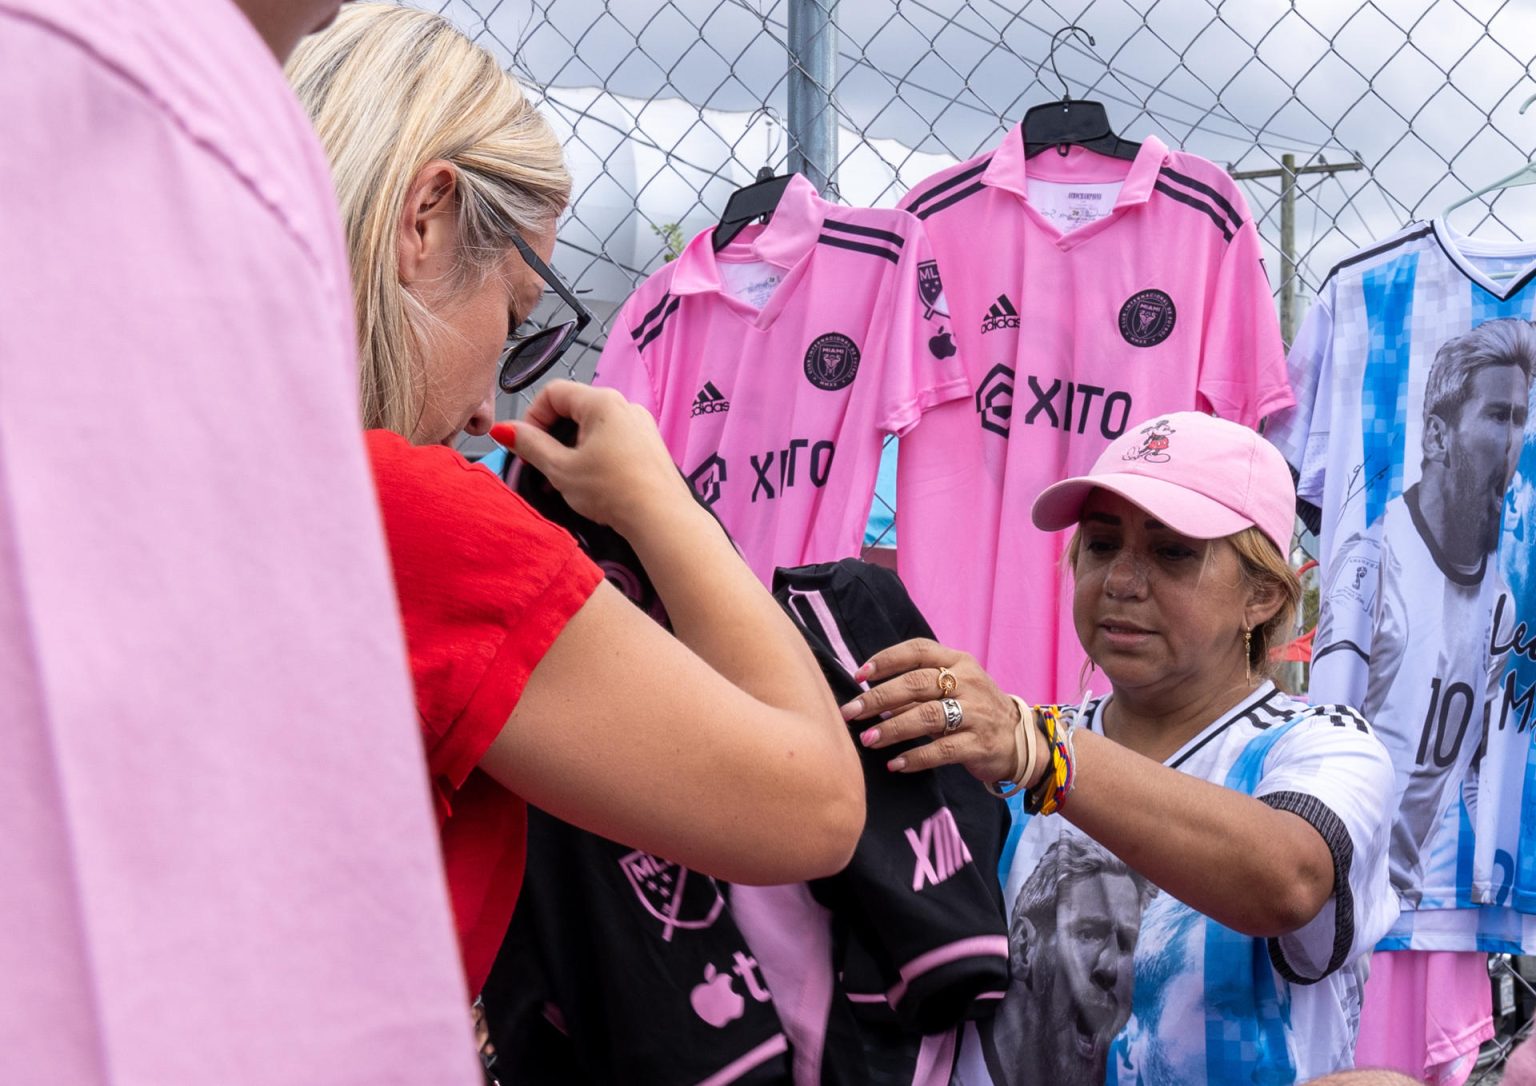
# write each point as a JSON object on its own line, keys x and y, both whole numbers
{"x": 1202, "y": 476}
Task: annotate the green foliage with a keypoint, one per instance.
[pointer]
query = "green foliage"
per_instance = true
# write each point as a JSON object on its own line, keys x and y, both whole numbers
{"x": 671, "y": 235}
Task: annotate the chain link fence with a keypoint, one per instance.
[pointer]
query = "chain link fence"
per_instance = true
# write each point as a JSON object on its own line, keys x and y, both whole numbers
{"x": 1342, "y": 120}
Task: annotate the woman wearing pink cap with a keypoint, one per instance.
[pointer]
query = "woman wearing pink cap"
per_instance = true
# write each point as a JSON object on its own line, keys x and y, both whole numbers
{"x": 1204, "y": 875}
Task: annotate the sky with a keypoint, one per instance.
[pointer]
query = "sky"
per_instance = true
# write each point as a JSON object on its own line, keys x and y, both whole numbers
{"x": 662, "y": 102}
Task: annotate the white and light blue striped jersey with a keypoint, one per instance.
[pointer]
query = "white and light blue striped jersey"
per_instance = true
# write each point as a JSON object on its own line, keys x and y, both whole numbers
{"x": 1116, "y": 981}
{"x": 1426, "y": 549}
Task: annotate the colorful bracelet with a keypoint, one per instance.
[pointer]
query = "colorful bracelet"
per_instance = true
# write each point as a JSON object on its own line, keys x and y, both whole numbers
{"x": 1050, "y": 795}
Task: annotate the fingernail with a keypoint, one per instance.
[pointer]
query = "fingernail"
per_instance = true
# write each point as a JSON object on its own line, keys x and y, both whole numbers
{"x": 869, "y": 736}
{"x": 896, "y": 765}
{"x": 504, "y": 434}
{"x": 853, "y": 709}
{"x": 863, "y": 672}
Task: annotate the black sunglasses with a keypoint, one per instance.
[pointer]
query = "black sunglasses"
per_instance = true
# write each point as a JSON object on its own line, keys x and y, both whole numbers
{"x": 527, "y": 358}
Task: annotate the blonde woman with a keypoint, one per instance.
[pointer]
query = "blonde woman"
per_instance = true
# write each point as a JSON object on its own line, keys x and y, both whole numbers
{"x": 719, "y": 749}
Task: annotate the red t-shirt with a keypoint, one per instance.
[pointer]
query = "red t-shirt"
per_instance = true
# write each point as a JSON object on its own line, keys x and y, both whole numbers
{"x": 485, "y": 587}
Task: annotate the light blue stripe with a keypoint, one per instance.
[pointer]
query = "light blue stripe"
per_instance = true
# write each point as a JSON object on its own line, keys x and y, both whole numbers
{"x": 1247, "y": 1017}
{"x": 1388, "y": 295}
{"x": 1517, "y": 570}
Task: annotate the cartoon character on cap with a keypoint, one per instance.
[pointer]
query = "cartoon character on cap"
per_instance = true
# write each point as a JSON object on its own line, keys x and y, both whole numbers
{"x": 1155, "y": 448}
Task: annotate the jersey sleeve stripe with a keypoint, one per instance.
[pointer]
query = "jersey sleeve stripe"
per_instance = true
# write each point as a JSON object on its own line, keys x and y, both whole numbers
{"x": 866, "y": 231}
{"x": 1366, "y": 254}
{"x": 639, "y": 330}
{"x": 1198, "y": 205}
{"x": 1206, "y": 190}
{"x": 1340, "y": 716}
{"x": 970, "y": 190}
{"x": 859, "y": 247}
{"x": 1337, "y": 646}
{"x": 944, "y": 186}
{"x": 1331, "y": 827}
{"x": 660, "y": 324}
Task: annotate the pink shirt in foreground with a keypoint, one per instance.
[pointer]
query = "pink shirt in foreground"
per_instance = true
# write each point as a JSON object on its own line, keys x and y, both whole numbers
{"x": 218, "y": 852}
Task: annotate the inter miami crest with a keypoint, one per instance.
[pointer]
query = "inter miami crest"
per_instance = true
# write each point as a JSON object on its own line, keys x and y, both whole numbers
{"x": 679, "y": 898}
{"x": 930, "y": 290}
{"x": 831, "y": 362}
{"x": 1146, "y": 318}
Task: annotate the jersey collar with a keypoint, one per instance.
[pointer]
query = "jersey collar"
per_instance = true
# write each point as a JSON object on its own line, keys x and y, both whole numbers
{"x": 789, "y": 235}
{"x": 1010, "y": 170}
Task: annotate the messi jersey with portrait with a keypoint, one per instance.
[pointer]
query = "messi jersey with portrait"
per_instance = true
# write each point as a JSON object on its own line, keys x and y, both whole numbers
{"x": 1116, "y": 981}
{"x": 1411, "y": 438}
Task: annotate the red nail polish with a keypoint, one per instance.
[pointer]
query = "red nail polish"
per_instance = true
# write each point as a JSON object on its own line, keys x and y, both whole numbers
{"x": 504, "y": 434}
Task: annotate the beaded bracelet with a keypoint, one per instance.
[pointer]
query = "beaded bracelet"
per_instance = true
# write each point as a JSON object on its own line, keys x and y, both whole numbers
{"x": 1023, "y": 752}
{"x": 1050, "y": 795}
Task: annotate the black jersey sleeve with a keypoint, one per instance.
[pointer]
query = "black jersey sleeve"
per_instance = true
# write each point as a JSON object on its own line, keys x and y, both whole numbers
{"x": 919, "y": 909}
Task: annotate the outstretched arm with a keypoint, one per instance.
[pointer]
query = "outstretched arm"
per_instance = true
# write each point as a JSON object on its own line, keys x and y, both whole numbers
{"x": 719, "y": 748}
{"x": 1258, "y": 870}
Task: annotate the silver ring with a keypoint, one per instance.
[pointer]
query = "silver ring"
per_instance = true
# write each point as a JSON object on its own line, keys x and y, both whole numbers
{"x": 954, "y": 716}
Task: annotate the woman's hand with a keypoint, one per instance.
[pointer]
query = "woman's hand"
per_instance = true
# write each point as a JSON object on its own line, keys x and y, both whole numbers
{"x": 619, "y": 472}
{"x": 905, "y": 684}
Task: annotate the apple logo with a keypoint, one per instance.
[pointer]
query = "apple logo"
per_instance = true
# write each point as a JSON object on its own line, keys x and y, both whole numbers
{"x": 715, "y": 1000}
{"x": 942, "y": 345}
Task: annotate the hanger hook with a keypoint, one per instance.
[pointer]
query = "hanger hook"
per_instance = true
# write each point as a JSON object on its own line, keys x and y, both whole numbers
{"x": 1527, "y": 103}
{"x": 774, "y": 140}
{"x": 1066, "y": 92}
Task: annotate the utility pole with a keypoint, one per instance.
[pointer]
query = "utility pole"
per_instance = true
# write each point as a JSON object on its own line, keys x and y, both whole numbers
{"x": 812, "y": 120}
{"x": 1287, "y": 175}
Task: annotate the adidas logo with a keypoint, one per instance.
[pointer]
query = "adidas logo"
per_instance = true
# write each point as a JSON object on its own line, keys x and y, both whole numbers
{"x": 1001, "y": 315}
{"x": 709, "y": 401}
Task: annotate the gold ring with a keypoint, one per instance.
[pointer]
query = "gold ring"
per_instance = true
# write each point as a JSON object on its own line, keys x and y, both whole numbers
{"x": 947, "y": 682}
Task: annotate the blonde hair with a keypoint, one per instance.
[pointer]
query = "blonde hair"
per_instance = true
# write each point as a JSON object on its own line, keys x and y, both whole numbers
{"x": 390, "y": 89}
{"x": 1262, "y": 568}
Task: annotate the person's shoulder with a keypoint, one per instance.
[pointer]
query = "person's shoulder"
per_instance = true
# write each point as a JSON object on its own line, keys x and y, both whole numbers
{"x": 424, "y": 473}
{"x": 426, "y": 493}
{"x": 202, "y": 75}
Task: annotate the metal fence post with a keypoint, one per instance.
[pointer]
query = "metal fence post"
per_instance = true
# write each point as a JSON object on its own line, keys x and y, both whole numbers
{"x": 812, "y": 119}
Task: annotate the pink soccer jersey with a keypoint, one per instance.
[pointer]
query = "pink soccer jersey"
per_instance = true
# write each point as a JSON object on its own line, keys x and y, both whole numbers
{"x": 1087, "y": 294}
{"x": 775, "y": 366}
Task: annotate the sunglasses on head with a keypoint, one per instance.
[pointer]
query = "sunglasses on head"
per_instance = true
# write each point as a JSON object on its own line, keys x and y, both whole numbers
{"x": 526, "y": 358}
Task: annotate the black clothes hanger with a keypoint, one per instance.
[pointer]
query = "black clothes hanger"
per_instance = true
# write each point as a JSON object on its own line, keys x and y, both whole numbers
{"x": 1072, "y": 121}
{"x": 759, "y": 199}
{"x": 753, "y": 201}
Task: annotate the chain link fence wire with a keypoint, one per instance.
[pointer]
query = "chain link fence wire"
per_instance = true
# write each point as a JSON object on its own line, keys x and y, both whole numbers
{"x": 1343, "y": 120}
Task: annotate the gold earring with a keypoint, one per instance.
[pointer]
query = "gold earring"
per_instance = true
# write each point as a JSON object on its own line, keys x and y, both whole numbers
{"x": 1248, "y": 652}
